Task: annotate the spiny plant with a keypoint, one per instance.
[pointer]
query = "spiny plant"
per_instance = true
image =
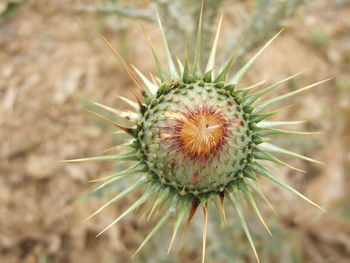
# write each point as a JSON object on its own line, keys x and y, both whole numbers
{"x": 197, "y": 137}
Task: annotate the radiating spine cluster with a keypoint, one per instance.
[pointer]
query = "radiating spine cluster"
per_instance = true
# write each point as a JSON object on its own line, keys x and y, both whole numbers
{"x": 197, "y": 137}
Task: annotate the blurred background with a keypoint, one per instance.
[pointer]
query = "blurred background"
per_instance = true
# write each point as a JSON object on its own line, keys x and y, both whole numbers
{"x": 53, "y": 62}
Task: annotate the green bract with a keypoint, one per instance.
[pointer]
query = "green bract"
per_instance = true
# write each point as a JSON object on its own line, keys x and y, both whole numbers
{"x": 197, "y": 137}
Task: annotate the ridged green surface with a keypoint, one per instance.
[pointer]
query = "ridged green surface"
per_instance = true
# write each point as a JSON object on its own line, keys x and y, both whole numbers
{"x": 167, "y": 164}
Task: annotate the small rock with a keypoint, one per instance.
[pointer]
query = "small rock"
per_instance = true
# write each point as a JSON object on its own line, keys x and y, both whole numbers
{"x": 39, "y": 167}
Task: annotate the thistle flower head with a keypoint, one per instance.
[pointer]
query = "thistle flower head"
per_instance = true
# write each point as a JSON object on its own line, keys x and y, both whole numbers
{"x": 197, "y": 137}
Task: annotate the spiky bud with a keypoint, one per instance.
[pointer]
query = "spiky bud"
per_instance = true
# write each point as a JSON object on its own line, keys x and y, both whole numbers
{"x": 198, "y": 137}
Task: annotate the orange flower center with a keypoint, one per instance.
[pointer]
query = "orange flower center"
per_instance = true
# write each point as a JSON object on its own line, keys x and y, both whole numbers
{"x": 197, "y": 133}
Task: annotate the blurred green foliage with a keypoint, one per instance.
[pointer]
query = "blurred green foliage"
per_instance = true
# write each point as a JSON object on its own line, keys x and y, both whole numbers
{"x": 319, "y": 38}
{"x": 9, "y": 8}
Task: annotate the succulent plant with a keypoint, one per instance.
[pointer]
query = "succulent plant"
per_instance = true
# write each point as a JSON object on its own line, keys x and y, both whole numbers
{"x": 197, "y": 137}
